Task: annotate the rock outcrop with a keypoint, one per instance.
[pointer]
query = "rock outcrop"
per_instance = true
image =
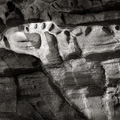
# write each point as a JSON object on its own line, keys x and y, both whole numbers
{"x": 63, "y": 13}
{"x": 28, "y": 93}
{"x": 59, "y": 60}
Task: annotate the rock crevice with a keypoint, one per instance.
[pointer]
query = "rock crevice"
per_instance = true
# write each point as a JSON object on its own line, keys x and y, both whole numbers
{"x": 59, "y": 60}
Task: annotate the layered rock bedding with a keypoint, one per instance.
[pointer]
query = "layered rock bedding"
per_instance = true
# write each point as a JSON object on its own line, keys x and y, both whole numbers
{"x": 59, "y": 60}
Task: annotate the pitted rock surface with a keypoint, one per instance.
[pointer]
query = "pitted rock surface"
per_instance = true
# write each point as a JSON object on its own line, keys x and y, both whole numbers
{"x": 59, "y": 60}
{"x": 63, "y": 13}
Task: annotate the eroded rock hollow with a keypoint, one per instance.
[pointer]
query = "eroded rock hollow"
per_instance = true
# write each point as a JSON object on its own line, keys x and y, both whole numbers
{"x": 59, "y": 60}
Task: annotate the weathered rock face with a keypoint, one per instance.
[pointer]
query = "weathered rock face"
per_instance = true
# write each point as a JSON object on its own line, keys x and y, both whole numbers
{"x": 63, "y": 13}
{"x": 59, "y": 60}
{"x": 27, "y": 93}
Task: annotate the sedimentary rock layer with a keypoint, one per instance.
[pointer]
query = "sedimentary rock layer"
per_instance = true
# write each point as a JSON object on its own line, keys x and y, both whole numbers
{"x": 63, "y": 13}
{"x": 59, "y": 60}
{"x": 81, "y": 64}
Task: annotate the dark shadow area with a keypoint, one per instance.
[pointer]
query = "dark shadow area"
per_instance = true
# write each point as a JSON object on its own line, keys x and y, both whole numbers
{"x": 109, "y": 6}
{"x": 103, "y": 56}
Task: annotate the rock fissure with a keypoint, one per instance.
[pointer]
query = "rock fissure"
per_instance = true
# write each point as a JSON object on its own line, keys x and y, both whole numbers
{"x": 59, "y": 59}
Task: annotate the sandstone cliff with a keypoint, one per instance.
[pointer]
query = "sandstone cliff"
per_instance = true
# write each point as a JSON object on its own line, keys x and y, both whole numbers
{"x": 59, "y": 60}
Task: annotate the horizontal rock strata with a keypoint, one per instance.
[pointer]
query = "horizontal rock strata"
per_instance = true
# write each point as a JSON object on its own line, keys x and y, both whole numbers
{"x": 27, "y": 93}
{"x": 63, "y": 13}
{"x": 59, "y": 60}
{"x": 81, "y": 64}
